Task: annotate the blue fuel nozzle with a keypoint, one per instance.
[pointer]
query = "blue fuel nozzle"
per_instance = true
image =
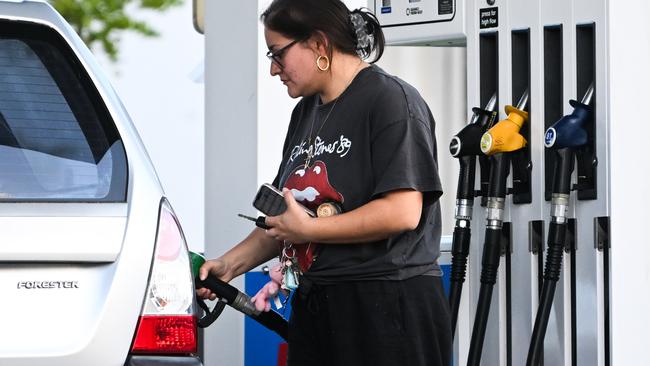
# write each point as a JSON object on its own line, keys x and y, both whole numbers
{"x": 569, "y": 130}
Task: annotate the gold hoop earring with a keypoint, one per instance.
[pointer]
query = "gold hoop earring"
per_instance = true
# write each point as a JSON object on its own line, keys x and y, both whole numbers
{"x": 318, "y": 61}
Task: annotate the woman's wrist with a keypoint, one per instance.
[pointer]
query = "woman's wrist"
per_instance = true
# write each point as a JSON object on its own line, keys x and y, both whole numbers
{"x": 310, "y": 230}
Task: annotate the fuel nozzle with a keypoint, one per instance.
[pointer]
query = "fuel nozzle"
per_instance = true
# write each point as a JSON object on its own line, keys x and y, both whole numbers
{"x": 239, "y": 301}
{"x": 467, "y": 141}
{"x": 563, "y": 137}
{"x": 504, "y": 136}
{"x": 569, "y": 130}
{"x": 465, "y": 147}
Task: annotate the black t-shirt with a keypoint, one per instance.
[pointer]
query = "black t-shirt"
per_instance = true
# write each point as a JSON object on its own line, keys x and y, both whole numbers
{"x": 378, "y": 136}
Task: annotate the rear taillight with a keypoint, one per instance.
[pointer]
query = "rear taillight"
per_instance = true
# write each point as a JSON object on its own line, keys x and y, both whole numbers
{"x": 165, "y": 334}
{"x": 168, "y": 320}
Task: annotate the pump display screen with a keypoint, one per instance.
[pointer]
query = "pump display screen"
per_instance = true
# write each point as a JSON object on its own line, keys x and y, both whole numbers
{"x": 399, "y": 12}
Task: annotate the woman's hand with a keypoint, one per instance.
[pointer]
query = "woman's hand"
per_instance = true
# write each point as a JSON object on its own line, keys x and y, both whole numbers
{"x": 262, "y": 299}
{"x": 215, "y": 267}
{"x": 392, "y": 213}
{"x": 293, "y": 225}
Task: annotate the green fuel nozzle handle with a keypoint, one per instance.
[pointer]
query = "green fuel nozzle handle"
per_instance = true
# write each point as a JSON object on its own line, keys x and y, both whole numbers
{"x": 226, "y": 292}
{"x": 234, "y": 298}
{"x": 197, "y": 261}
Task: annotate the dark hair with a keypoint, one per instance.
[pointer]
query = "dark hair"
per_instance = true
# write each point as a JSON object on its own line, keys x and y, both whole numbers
{"x": 301, "y": 19}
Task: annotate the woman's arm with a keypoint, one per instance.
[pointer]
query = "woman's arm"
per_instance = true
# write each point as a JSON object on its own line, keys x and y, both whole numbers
{"x": 256, "y": 249}
{"x": 392, "y": 213}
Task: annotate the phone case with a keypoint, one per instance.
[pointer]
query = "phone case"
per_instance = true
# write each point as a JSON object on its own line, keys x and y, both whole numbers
{"x": 269, "y": 201}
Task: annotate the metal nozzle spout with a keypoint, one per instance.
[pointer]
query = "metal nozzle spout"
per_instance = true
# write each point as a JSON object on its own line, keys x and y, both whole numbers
{"x": 586, "y": 100}
{"x": 523, "y": 100}
{"x": 491, "y": 104}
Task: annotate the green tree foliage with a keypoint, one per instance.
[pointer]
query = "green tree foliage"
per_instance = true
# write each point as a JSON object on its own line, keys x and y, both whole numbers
{"x": 102, "y": 21}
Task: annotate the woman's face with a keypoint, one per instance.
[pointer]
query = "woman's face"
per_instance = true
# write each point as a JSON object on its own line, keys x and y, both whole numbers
{"x": 294, "y": 62}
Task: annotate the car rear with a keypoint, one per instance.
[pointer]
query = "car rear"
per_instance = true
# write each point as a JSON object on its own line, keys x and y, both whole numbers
{"x": 93, "y": 263}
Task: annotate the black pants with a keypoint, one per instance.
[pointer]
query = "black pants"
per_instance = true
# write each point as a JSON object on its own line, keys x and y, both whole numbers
{"x": 371, "y": 323}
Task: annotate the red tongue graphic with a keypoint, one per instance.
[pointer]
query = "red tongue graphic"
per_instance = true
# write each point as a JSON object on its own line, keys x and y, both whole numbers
{"x": 313, "y": 178}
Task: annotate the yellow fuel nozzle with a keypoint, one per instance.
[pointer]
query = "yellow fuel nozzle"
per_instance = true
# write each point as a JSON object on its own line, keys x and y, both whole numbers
{"x": 504, "y": 136}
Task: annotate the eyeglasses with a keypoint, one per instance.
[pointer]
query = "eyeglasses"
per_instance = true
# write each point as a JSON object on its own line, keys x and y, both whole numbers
{"x": 276, "y": 56}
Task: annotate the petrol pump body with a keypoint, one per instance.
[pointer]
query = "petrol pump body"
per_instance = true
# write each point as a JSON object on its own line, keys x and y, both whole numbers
{"x": 556, "y": 49}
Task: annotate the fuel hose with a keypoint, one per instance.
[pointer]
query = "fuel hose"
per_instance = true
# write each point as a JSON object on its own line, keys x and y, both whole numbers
{"x": 491, "y": 253}
{"x": 465, "y": 146}
{"x": 498, "y": 142}
{"x": 564, "y": 137}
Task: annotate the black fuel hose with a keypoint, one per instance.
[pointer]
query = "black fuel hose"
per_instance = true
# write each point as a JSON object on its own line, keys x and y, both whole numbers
{"x": 466, "y": 147}
{"x": 242, "y": 303}
{"x": 557, "y": 235}
{"x": 564, "y": 137}
{"x": 461, "y": 238}
{"x": 499, "y": 165}
{"x": 460, "y": 252}
{"x": 556, "y": 244}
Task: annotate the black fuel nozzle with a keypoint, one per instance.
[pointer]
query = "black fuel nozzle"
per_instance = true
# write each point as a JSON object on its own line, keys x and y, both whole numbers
{"x": 467, "y": 142}
{"x": 466, "y": 147}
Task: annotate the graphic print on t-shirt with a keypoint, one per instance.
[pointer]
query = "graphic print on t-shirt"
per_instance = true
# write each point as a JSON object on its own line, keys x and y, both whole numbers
{"x": 311, "y": 187}
{"x": 339, "y": 147}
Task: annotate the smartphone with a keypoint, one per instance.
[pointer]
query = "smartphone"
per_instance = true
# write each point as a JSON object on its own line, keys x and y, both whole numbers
{"x": 270, "y": 201}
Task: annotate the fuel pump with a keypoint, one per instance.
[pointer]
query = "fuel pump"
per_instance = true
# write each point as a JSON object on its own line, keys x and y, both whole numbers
{"x": 465, "y": 146}
{"x": 564, "y": 138}
{"x": 498, "y": 143}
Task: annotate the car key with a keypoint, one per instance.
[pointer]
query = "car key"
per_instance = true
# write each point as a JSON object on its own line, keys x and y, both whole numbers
{"x": 260, "y": 221}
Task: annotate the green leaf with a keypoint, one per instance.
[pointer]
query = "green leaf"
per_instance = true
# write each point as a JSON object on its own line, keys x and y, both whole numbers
{"x": 102, "y": 22}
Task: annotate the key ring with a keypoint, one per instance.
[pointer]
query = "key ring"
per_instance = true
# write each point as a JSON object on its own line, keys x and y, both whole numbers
{"x": 286, "y": 249}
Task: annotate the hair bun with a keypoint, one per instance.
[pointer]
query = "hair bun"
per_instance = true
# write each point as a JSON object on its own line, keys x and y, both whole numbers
{"x": 355, "y": 32}
{"x": 360, "y": 26}
{"x": 364, "y": 39}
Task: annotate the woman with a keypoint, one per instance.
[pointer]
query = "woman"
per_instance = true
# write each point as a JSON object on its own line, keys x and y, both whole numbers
{"x": 369, "y": 289}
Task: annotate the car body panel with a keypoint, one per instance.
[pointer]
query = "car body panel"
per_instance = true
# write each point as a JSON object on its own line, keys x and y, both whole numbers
{"x": 163, "y": 361}
{"x": 73, "y": 275}
{"x": 98, "y": 232}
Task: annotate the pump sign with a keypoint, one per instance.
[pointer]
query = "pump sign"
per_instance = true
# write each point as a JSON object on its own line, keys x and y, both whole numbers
{"x": 399, "y": 12}
{"x": 489, "y": 18}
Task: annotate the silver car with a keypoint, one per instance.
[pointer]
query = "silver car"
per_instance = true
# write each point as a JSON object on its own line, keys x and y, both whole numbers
{"x": 94, "y": 268}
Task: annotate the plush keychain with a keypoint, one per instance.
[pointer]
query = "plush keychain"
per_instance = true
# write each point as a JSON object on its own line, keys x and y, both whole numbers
{"x": 269, "y": 291}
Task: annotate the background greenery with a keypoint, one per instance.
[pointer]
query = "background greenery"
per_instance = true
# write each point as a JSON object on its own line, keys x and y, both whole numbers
{"x": 101, "y": 22}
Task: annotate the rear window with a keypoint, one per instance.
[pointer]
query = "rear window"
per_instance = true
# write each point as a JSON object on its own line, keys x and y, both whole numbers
{"x": 57, "y": 140}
